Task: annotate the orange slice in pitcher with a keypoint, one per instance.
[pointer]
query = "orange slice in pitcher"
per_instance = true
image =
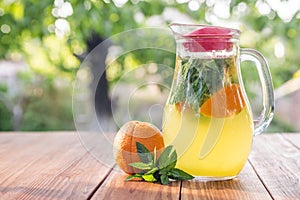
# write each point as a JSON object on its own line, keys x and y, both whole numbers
{"x": 224, "y": 103}
{"x": 179, "y": 106}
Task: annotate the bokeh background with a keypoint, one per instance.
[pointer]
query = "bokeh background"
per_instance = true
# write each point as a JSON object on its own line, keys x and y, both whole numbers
{"x": 43, "y": 44}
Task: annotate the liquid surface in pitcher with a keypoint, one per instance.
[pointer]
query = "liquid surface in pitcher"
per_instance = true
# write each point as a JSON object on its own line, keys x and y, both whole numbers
{"x": 206, "y": 117}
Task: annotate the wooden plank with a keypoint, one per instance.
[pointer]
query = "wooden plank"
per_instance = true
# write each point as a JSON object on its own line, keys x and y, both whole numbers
{"x": 114, "y": 187}
{"x": 277, "y": 163}
{"x": 293, "y": 138}
{"x": 17, "y": 150}
{"x": 51, "y": 166}
{"x": 245, "y": 186}
{"x": 18, "y": 141}
{"x": 77, "y": 181}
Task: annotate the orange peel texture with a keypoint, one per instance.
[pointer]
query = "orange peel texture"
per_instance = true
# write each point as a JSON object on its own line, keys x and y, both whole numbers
{"x": 125, "y": 151}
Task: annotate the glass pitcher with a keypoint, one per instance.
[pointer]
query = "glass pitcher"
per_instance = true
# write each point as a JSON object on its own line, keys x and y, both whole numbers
{"x": 207, "y": 117}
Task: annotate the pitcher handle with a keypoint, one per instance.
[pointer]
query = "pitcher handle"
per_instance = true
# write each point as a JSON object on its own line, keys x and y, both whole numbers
{"x": 266, "y": 115}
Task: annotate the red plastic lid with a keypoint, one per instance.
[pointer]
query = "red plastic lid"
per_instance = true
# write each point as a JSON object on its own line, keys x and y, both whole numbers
{"x": 209, "y": 38}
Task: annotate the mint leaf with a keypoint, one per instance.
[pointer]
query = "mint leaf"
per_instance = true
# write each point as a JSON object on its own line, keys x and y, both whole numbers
{"x": 160, "y": 170}
{"x": 164, "y": 179}
{"x": 140, "y": 165}
{"x": 163, "y": 171}
{"x": 144, "y": 154}
{"x": 152, "y": 171}
{"x": 178, "y": 174}
{"x": 149, "y": 177}
{"x": 163, "y": 158}
{"x": 172, "y": 160}
{"x": 128, "y": 178}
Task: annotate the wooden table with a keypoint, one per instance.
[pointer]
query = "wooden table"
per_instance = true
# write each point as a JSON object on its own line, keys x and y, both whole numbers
{"x": 55, "y": 165}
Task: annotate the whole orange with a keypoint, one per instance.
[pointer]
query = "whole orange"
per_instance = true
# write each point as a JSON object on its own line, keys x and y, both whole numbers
{"x": 125, "y": 151}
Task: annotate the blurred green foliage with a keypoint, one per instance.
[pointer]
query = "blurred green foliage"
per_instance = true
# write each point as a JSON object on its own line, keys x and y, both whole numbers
{"x": 49, "y": 111}
{"x": 50, "y": 35}
{"x": 5, "y": 118}
{"x": 5, "y": 113}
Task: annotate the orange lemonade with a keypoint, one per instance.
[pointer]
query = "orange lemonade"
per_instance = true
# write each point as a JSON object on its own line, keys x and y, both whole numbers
{"x": 208, "y": 146}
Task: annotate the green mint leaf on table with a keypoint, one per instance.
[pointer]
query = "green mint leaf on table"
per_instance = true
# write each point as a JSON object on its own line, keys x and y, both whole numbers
{"x": 133, "y": 177}
{"x": 144, "y": 154}
{"x": 152, "y": 171}
{"x": 149, "y": 177}
{"x": 141, "y": 165}
{"x": 163, "y": 160}
{"x": 178, "y": 174}
{"x": 164, "y": 179}
{"x": 160, "y": 170}
{"x": 172, "y": 160}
